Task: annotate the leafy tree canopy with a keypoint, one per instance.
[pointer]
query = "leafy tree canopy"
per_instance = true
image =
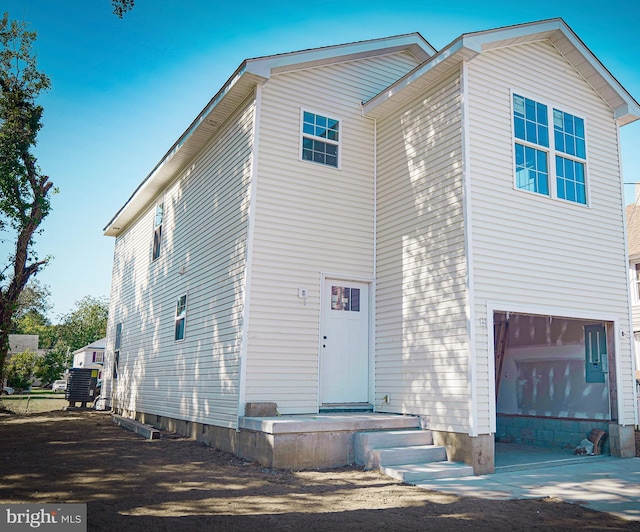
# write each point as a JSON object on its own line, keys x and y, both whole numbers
{"x": 20, "y": 369}
{"x": 24, "y": 189}
{"x": 86, "y": 324}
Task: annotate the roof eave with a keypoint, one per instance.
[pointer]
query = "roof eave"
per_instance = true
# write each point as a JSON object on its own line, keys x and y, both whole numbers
{"x": 625, "y": 108}
{"x": 239, "y": 87}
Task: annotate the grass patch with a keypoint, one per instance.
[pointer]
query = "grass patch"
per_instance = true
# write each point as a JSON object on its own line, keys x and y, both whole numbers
{"x": 32, "y": 403}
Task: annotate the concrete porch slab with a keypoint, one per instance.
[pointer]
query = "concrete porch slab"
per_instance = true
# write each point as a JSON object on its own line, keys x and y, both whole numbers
{"x": 313, "y": 440}
{"x": 329, "y": 422}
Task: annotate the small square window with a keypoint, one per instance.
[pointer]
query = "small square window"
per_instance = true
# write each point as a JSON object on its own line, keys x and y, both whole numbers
{"x": 320, "y": 139}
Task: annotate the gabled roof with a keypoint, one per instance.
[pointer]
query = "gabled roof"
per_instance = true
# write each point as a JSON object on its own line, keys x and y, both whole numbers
{"x": 469, "y": 45}
{"x": 98, "y": 344}
{"x": 237, "y": 89}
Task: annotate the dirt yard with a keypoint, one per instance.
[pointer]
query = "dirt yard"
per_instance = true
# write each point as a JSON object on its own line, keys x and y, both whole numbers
{"x": 175, "y": 484}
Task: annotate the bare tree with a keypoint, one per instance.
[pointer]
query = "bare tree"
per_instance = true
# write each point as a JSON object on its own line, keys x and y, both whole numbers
{"x": 24, "y": 190}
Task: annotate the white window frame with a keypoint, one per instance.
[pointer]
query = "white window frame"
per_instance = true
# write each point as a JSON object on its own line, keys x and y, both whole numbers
{"x": 635, "y": 282}
{"x": 156, "y": 249}
{"x": 324, "y": 140}
{"x": 550, "y": 150}
{"x": 180, "y": 316}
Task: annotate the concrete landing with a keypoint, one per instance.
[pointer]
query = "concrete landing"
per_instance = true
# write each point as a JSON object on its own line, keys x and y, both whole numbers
{"x": 328, "y": 422}
{"x": 311, "y": 441}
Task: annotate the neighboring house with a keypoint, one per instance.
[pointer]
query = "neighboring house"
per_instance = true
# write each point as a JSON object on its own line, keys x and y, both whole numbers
{"x": 19, "y": 343}
{"x": 633, "y": 238}
{"x": 356, "y": 227}
{"x": 91, "y": 356}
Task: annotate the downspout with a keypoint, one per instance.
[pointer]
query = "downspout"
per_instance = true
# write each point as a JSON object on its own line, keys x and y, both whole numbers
{"x": 472, "y": 373}
{"x": 372, "y": 303}
{"x": 372, "y": 317}
{"x": 244, "y": 333}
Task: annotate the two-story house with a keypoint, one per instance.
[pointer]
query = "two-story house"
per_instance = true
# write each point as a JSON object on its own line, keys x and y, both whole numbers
{"x": 383, "y": 227}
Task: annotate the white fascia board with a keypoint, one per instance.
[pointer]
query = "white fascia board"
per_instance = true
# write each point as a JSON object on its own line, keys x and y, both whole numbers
{"x": 265, "y": 66}
{"x": 479, "y": 42}
{"x": 450, "y": 51}
{"x": 158, "y": 178}
{"x": 628, "y": 112}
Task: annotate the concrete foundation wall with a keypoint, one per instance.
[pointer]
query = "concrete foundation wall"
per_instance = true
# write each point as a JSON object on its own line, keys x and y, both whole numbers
{"x": 476, "y": 451}
{"x": 307, "y": 450}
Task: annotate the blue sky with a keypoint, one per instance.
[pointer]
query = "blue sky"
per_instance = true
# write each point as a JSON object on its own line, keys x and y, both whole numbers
{"x": 125, "y": 90}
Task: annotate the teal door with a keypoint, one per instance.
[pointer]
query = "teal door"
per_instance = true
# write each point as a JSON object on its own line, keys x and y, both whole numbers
{"x": 595, "y": 345}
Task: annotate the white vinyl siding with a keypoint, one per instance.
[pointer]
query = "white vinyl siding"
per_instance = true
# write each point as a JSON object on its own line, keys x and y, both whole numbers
{"x": 421, "y": 329}
{"x": 204, "y": 239}
{"x": 531, "y": 249}
{"x": 310, "y": 219}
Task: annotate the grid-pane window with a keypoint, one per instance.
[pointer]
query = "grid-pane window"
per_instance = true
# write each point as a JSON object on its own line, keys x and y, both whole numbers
{"x": 539, "y": 155}
{"x": 531, "y": 169}
{"x": 570, "y": 180}
{"x": 530, "y": 121}
{"x": 181, "y": 317}
{"x": 531, "y": 125}
{"x": 568, "y": 135}
{"x": 320, "y": 139}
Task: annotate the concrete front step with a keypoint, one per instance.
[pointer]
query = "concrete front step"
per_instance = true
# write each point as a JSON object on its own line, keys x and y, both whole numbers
{"x": 415, "y": 454}
{"x": 366, "y": 442}
{"x": 416, "y": 473}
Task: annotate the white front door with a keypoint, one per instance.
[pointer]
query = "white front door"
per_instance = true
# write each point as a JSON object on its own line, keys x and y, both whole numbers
{"x": 344, "y": 345}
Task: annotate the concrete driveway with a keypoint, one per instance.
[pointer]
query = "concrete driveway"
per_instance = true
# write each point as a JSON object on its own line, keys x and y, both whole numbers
{"x": 601, "y": 483}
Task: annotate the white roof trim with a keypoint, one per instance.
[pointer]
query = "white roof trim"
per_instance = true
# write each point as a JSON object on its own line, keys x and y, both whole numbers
{"x": 626, "y": 108}
{"x": 265, "y": 66}
{"x": 240, "y": 85}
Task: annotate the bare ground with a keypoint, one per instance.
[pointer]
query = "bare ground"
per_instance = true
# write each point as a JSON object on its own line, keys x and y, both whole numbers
{"x": 132, "y": 484}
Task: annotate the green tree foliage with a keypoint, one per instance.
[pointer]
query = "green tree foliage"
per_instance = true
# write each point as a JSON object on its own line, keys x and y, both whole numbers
{"x": 24, "y": 190}
{"x": 20, "y": 369}
{"x": 50, "y": 366}
{"x": 30, "y": 316}
{"x": 86, "y": 324}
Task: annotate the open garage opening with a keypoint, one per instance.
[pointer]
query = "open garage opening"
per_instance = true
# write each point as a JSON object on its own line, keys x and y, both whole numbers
{"x": 555, "y": 379}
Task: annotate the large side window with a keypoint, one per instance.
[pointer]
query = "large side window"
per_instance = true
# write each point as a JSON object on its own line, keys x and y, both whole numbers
{"x": 181, "y": 317}
{"x": 320, "y": 139}
{"x": 157, "y": 230}
{"x": 550, "y": 164}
